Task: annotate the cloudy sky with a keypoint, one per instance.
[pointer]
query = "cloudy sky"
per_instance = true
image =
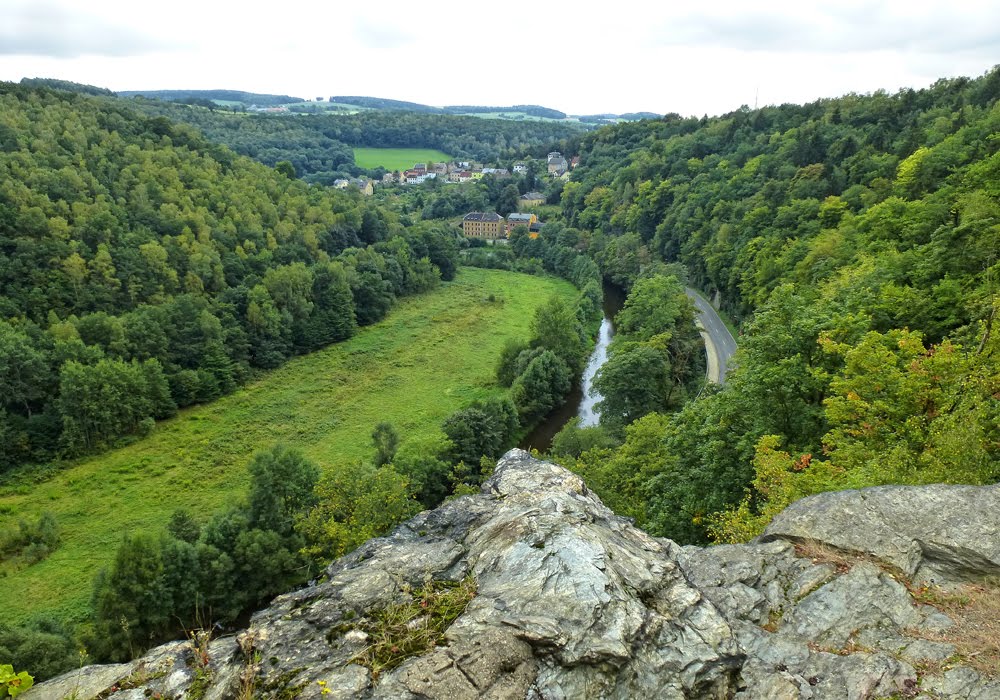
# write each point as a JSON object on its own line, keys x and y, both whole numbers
{"x": 662, "y": 56}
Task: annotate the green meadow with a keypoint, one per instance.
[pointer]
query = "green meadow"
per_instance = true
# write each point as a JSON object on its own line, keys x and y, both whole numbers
{"x": 430, "y": 356}
{"x": 397, "y": 158}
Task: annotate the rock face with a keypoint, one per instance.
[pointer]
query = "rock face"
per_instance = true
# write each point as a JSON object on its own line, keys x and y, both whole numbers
{"x": 938, "y": 533}
{"x": 574, "y": 602}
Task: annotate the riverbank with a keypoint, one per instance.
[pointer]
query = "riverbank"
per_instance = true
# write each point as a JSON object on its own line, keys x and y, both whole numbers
{"x": 580, "y": 402}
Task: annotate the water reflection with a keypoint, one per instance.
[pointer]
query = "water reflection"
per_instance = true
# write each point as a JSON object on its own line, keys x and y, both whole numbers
{"x": 588, "y": 416}
{"x": 579, "y": 402}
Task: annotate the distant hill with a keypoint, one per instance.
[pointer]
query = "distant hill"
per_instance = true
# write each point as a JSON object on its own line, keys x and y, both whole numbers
{"x": 247, "y": 98}
{"x": 636, "y": 116}
{"x": 511, "y": 112}
{"x": 399, "y": 105}
{"x": 530, "y": 110}
{"x": 66, "y": 85}
{"x": 384, "y": 103}
{"x": 601, "y": 119}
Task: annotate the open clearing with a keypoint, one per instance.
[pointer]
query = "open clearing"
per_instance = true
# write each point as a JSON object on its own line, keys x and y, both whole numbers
{"x": 433, "y": 354}
{"x": 397, "y": 158}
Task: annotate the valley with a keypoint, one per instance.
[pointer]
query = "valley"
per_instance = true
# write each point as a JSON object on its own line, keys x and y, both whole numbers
{"x": 433, "y": 354}
{"x": 851, "y": 244}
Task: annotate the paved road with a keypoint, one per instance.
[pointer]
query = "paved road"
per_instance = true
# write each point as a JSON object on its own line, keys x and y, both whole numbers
{"x": 719, "y": 342}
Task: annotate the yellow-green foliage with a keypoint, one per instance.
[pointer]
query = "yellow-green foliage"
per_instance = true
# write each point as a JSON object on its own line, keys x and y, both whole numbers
{"x": 356, "y": 502}
{"x": 899, "y": 413}
{"x": 432, "y": 355}
{"x": 13, "y": 684}
{"x": 778, "y": 481}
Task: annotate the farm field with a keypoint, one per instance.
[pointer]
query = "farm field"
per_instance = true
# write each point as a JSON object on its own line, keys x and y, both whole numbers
{"x": 433, "y": 354}
{"x": 397, "y": 158}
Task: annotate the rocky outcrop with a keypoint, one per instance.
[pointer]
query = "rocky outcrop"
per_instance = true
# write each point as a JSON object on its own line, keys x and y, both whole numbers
{"x": 572, "y": 601}
{"x": 941, "y": 534}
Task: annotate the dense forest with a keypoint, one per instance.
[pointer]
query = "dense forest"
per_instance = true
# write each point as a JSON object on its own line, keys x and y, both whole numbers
{"x": 319, "y": 145}
{"x": 144, "y": 269}
{"x": 857, "y": 240}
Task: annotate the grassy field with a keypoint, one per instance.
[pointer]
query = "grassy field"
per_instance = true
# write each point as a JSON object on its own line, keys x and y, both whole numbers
{"x": 431, "y": 355}
{"x": 397, "y": 158}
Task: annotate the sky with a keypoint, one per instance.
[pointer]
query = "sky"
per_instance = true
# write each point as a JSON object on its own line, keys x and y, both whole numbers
{"x": 585, "y": 57}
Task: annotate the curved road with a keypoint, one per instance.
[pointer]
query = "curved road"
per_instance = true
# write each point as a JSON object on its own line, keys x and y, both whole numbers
{"x": 719, "y": 342}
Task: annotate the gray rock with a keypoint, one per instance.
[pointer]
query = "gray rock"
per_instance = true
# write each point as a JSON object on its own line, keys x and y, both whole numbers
{"x": 864, "y": 598}
{"x": 575, "y": 602}
{"x": 83, "y": 683}
{"x": 924, "y": 650}
{"x": 932, "y": 533}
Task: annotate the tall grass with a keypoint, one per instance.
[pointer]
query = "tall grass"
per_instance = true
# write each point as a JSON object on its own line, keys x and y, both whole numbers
{"x": 433, "y": 354}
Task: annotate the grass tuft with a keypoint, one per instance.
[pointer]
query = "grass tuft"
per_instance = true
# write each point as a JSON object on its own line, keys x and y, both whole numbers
{"x": 975, "y": 610}
{"x": 413, "y": 627}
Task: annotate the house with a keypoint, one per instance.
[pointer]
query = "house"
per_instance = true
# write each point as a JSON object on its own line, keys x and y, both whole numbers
{"x": 487, "y": 225}
{"x": 459, "y": 176}
{"x": 416, "y": 177}
{"x": 366, "y": 186}
{"x": 390, "y": 178}
{"x": 341, "y": 184}
{"x": 440, "y": 168}
{"x": 516, "y": 219}
{"x": 520, "y": 167}
{"x": 532, "y": 199}
{"x": 556, "y": 163}
{"x": 574, "y": 162}
{"x": 496, "y": 172}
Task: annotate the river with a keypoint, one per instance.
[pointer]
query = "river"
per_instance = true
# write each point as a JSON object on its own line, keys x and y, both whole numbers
{"x": 579, "y": 402}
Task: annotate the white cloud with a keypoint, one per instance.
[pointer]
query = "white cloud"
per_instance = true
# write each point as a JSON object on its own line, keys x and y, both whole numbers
{"x": 49, "y": 29}
{"x": 668, "y": 57}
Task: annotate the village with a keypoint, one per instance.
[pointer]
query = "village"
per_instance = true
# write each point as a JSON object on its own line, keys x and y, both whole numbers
{"x": 489, "y": 226}
{"x": 465, "y": 171}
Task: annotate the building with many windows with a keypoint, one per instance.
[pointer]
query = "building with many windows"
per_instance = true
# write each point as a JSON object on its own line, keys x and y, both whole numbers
{"x": 516, "y": 219}
{"x": 479, "y": 224}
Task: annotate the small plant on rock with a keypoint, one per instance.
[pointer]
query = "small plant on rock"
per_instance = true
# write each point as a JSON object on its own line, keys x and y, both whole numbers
{"x": 13, "y": 684}
{"x": 412, "y": 627}
{"x": 248, "y": 642}
{"x": 200, "y": 660}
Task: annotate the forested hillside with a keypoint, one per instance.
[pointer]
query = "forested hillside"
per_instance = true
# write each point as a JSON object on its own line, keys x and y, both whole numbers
{"x": 319, "y": 145}
{"x": 246, "y": 98}
{"x": 857, "y": 239}
{"x": 143, "y": 268}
